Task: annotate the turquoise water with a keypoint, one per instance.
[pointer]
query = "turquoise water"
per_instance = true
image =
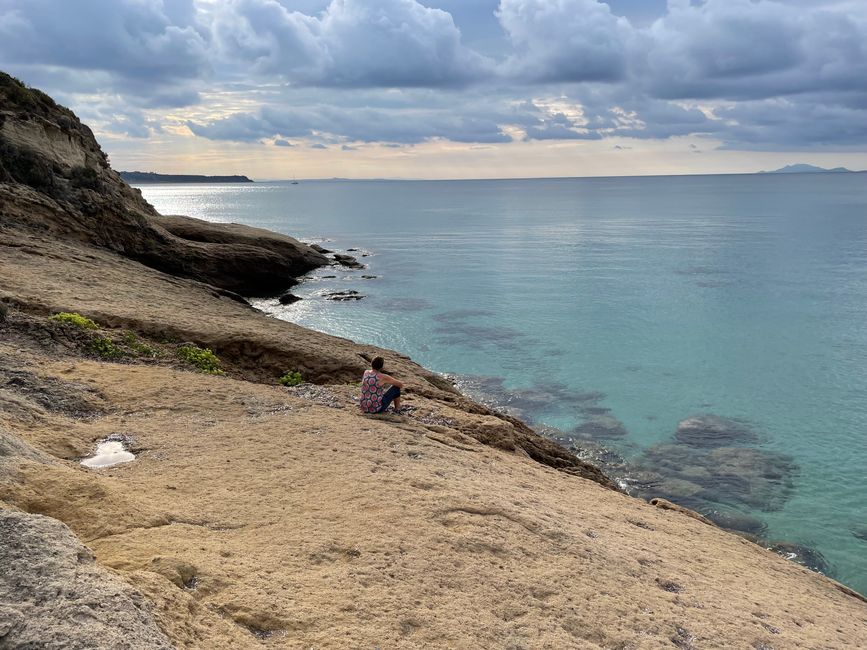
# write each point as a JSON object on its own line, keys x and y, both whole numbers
{"x": 613, "y": 309}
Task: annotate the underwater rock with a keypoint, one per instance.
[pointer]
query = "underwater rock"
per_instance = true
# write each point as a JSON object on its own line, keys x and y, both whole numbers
{"x": 708, "y": 430}
{"x": 803, "y": 555}
{"x": 601, "y": 426}
{"x": 734, "y": 520}
{"x": 755, "y": 478}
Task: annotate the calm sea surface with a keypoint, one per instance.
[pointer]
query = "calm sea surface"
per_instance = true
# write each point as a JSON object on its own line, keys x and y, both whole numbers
{"x": 611, "y": 310}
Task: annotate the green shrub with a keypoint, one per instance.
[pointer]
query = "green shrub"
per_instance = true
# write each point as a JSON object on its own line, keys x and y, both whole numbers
{"x": 76, "y": 320}
{"x": 291, "y": 378}
{"x": 202, "y": 358}
{"x": 105, "y": 348}
{"x": 141, "y": 349}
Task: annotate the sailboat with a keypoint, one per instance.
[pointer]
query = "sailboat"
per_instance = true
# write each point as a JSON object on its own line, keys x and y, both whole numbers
{"x": 294, "y": 182}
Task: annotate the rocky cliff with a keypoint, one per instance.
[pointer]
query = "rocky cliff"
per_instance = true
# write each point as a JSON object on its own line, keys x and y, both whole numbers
{"x": 57, "y": 182}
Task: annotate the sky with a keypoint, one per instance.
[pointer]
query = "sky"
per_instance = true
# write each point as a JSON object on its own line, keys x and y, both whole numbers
{"x": 452, "y": 88}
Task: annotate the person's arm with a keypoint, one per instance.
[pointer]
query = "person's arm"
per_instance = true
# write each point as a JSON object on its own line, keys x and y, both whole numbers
{"x": 388, "y": 379}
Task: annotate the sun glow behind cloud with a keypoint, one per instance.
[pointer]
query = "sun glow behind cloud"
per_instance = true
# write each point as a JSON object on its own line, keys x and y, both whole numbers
{"x": 400, "y": 88}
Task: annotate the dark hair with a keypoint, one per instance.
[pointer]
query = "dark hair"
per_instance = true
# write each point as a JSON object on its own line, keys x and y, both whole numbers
{"x": 377, "y": 363}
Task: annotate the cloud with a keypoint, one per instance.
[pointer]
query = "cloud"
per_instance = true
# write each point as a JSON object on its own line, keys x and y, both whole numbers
{"x": 564, "y": 40}
{"x": 353, "y": 43}
{"x": 750, "y": 49}
{"x": 283, "y": 143}
{"x": 318, "y": 145}
{"x": 132, "y": 39}
{"x": 772, "y": 74}
{"x": 780, "y": 124}
{"x": 355, "y": 124}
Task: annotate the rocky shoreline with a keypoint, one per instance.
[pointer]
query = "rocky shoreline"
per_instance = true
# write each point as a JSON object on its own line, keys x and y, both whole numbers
{"x": 263, "y": 512}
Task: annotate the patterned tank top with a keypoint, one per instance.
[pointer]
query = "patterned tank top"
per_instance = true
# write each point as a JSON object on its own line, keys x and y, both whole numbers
{"x": 371, "y": 392}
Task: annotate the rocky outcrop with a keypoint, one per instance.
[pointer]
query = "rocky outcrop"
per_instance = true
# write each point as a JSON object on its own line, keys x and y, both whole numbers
{"x": 53, "y": 594}
{"x": 56, "y": 181}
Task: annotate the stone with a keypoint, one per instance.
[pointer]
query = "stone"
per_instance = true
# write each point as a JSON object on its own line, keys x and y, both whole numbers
{"x": 348, "y": 261}
{"x": 601, "y": 426}
{"x": 343, "y": 296}
{"x": 713, "y": 431}
{"x": 288, "y": 299}
{"x": 802, "y": 554}
{"x": 53, "y": 595}
{"x": 732, "y": 519}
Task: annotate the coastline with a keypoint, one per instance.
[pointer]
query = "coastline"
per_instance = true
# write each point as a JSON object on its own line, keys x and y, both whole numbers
{"x": 255, "y": 513}
{"x": 199, "y": 524}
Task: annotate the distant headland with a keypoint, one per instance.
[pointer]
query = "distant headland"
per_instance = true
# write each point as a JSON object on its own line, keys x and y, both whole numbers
{"x": 808, "y": 169}
{"x": 151, "y": 177}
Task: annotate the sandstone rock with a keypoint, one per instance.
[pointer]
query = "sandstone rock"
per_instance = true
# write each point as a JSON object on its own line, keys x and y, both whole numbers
{"x": 53, "y": 594}
{"x": 668, "y": 505}
{"x": 56, "y": 181}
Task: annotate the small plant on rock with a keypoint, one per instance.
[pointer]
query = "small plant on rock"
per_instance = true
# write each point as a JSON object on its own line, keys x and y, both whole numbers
{"x": 202, "y": 358}
{"x": 139, "y": 347}
{"x": 105, "y": 348}
{"x": 4, "y": 312}
{"x": 291, "y": 378}
{"x": 76, "y": 320}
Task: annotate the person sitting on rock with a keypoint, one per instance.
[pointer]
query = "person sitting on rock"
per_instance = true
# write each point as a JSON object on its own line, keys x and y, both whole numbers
{"x": 374, "y": 396}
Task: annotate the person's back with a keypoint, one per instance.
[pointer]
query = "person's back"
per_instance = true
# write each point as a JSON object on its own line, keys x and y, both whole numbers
{"x": 371, "y": 392}
{"x": 374, "y": 396}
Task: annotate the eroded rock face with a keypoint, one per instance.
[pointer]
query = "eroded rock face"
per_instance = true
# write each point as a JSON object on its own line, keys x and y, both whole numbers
{"x": 53, "y": 594}
{"x": 55, "y": 180}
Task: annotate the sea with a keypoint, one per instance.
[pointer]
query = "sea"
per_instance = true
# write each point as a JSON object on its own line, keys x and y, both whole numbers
{"x": 703, "y": 338}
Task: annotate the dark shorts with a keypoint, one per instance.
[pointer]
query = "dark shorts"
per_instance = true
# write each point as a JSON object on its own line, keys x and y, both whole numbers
{"x": 388, "y": 397}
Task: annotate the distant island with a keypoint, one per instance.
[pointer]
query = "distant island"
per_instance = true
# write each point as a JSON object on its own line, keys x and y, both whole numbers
{"x": 808, "y": 169}
{"x": 151, "y": 177}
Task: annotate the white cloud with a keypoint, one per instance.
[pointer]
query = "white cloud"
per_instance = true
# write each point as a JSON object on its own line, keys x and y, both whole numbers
{"x": 353, "y": 43}
{"x": 564, "y": 40}
{"x": 752, "y": 73}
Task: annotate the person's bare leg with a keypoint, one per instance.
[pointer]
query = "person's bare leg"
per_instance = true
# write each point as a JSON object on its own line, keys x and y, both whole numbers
{"x": 396, "y": 403}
